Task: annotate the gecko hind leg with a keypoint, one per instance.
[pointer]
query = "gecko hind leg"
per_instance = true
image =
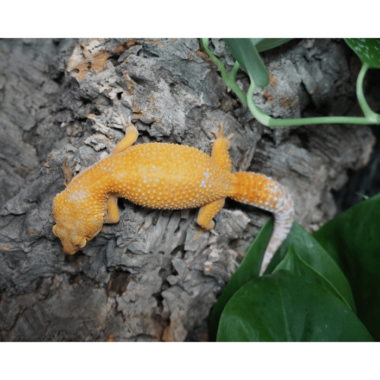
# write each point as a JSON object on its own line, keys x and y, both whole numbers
{"x": 129, "y": 139}
{"x": 206, "y": 214}
{"x": 202, "y": 230}
{"x": 113, "y": 215}
{"x": 219, "y": 152}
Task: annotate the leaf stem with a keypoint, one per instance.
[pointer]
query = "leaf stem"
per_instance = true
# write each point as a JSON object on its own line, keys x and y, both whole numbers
{"x": 228, "y": 79}
{"x": 232, "y": 84}
{"x": 204, "y": 42}
{"x": 368, "y": 113}
{"x": 271, "y": 122}
{"x": 234, "y": 71}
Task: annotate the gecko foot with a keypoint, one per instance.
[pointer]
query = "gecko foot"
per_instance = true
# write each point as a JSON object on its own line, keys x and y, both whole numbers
{"x": 220, "y": 133}
{"x": 125, "y": 122}
{"x": 202, "y": 230}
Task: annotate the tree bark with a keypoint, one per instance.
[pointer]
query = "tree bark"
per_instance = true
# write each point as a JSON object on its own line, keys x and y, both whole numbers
{"x": 145, "y": 278}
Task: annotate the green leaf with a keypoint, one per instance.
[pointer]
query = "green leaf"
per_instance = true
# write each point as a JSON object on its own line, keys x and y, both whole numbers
{"x": 353, "y": 240}
{"x": 245, "y": 52}
{"x": 368, "y": 50}
{"x": 270, "y": 43}
{"x": 309, "y": 251}
{"x": 248, "y": 270}
{"x": 294, "y": 264}
{"x": 255, "y": 40}
{"x": 312, "y": 253}
{"x": 284, "y": 307}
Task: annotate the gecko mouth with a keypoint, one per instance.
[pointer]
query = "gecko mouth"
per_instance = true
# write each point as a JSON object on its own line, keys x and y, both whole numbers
{"x": 70, "y": 251}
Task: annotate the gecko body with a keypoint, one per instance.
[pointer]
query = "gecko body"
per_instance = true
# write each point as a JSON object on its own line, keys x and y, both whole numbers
{"x": 164, "y": 176}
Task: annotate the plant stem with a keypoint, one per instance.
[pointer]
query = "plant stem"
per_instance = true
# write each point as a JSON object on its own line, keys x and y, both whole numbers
{"x": 234, "y": 70}
{"x": 229, "y": 80}
{"x": 222, "y": 69}
{"x": 232, "y": 84}
{"x": 271, "y": 122}
{"x": 368, "y": 113}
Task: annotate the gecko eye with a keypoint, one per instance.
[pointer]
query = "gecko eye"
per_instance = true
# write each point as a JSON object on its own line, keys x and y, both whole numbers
{"x": 76, "y": 240}
{"x": 55, "y": 230}
{"x": 83, "y": 243}
{"x": 79, "y": 241}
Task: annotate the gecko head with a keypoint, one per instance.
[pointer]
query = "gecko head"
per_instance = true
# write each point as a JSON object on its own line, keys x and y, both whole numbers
{"x": 72, "y": 227}
{"x": 71, "y": 243}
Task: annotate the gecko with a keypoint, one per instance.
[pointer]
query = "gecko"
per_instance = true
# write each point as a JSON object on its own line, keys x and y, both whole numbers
{"x": 165, "y": 176}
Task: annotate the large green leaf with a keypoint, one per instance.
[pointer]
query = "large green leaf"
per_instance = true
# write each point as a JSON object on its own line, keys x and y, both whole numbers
{"x": 353, "y": 239}
{"x": 248, "y": 270}
{"x": 284, "y": 307}
{"x": 368, "y": 50}
{"x": 294, "y": 264}
{"x": 309, "y": 251}
{"x": 270, "y": 43}
{"x": 255, "y": 40}
{"x": 245, "y": 52}
{"x": 316, "y": 257}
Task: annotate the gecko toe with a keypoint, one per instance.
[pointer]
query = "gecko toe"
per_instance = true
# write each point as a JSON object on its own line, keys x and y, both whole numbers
{"x": 215, "y": 133}
{"x": 200, "y": 231}
{"x": 221, "y": 130}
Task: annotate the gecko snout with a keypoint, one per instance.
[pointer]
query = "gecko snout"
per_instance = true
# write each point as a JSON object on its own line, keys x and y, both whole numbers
{"x": 70, "y": 243}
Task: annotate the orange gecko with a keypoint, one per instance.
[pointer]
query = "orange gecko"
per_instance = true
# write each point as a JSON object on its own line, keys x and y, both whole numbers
{"x": 165, "y": 176}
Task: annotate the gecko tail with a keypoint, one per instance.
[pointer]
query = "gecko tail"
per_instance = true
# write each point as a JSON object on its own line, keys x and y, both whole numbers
{"x": 266, "y": 193}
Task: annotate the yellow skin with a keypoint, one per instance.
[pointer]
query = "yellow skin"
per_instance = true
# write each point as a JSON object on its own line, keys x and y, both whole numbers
{"x": 163, "y": 176}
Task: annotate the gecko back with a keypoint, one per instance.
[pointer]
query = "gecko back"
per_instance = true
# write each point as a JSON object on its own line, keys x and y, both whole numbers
{"x": 168, "y": 176}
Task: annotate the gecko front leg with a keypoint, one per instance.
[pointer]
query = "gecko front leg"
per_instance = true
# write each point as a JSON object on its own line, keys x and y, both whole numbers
{"x": 129, "y": 139}
{"x": 131, "y": 134}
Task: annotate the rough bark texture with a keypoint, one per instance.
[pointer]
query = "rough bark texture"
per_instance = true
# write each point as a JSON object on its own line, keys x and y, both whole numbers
{"x": 145, "y": 278}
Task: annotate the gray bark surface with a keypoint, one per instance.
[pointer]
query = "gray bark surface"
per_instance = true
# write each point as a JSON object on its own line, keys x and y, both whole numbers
{"x": 146, "y": 278}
